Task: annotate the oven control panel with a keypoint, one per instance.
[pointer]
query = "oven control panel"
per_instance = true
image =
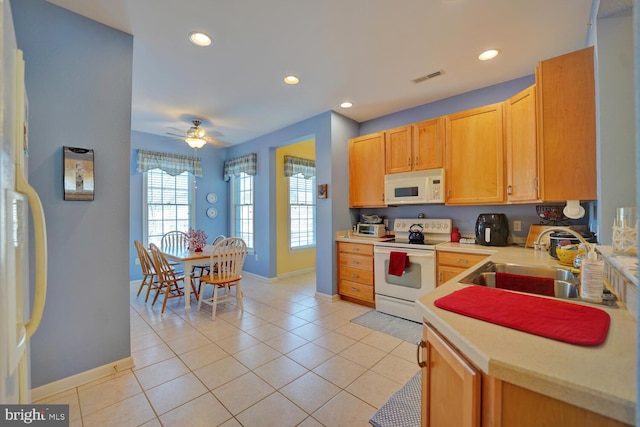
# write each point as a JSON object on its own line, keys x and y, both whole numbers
{"x": 429, "y": 225}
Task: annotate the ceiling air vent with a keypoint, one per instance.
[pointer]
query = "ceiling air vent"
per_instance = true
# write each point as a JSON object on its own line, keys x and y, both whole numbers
{"x": 428, "y": 76}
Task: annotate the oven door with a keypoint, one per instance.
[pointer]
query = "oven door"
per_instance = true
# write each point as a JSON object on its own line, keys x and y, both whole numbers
{"x": 417, "y": 279}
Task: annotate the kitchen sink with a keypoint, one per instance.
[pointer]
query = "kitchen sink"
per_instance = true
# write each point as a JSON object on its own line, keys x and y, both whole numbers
{"x": 566, "y": 285}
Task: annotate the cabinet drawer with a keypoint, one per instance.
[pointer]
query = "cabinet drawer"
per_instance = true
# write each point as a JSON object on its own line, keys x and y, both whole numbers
{"x": 355, "y": 290}
{"x": 356, "y": 248}
{"x": 356, "y": 275}
{"x": 457, "y": 259}
{"x": 355, "y": 261}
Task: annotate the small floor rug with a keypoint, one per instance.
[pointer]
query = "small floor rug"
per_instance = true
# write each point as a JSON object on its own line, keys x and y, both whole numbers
{"x": 391, "y": 325}
{"x": 402, "y": 408}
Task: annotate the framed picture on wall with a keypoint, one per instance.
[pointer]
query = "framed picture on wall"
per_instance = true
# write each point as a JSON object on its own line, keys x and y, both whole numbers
{"x": 79, "y": 179}
{"x": 322, "y": 191}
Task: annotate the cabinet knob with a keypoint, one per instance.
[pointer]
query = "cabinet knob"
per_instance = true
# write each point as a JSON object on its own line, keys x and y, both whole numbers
{"x": 416, "y": 160}
{"x": 462, "y": 261}
{"x": 355, "y": 289}
{"x": 509, "y": 190}
{"x": 536, "y": 183}
{"x": 409, "y": 161}
{"x": 355, "y": 276}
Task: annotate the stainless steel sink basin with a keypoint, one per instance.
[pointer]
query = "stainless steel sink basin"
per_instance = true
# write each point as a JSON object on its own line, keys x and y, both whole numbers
{"x": 566, "y": 286}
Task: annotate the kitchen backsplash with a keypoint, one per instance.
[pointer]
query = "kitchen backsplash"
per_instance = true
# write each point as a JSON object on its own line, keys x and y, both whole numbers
{"x": 464, "y": 217}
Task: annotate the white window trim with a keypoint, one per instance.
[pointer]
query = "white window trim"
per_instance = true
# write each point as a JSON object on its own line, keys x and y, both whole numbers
{"x": 232, "y": 210}
{"x": 315, "y": 205}
{"x": 145, "y": 216}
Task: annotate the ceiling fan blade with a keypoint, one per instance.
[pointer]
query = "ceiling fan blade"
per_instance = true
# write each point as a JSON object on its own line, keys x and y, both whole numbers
{"x": 181, "y": 136}
{"x": 215, "y": 133}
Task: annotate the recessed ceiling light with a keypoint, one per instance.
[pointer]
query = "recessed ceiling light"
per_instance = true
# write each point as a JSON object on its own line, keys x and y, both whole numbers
{"x": 346, "y": 105}
{"x": 488, "y": 54}
{"x": 291, "y": 80}
{"x": 199, "y": 39}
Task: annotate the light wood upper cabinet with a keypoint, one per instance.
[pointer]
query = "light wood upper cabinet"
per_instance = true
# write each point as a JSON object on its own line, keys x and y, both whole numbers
{"x": 366, "y": 171}
{"x": 428, "y": 144}
{"x": 566, "y": 127}
{"x": 419, "y": 146}
{"x": 475, "y": 167}
{"x": 399, "y": 150}
{"x": 522, "y": 147}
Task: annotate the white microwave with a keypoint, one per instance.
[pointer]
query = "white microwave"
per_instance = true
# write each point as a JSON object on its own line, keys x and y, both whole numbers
{"x": 414, "y": 188}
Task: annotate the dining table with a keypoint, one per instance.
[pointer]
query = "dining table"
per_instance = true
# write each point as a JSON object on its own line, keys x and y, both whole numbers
{"x": 187, "y": 259}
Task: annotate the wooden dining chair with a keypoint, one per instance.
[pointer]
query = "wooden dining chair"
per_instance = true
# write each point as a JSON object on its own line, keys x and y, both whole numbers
{"x": 203, "y": 269}
{"x": 225, "y": 272}
{"x": 150, "y": 279}
{"x": 169, "y": 280}
{"x": 175, "y": 239}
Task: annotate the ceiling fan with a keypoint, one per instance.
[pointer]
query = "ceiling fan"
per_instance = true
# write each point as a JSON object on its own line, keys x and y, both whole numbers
{"x": 196, "y": 136}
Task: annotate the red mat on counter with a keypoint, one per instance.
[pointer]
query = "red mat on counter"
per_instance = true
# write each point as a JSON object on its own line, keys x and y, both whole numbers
{"x": 558, "y": 320}
{"x": 529, "y": 284}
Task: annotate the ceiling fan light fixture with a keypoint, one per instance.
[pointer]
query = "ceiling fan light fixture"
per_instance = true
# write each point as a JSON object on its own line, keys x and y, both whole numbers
{"x": 199, "y": 39}
{"x": 195, "y": 142}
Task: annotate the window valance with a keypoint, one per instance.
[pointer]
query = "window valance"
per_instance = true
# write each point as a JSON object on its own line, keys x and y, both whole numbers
{"x": 247, "y": 164}
{"x": 295, "y": 165}
{"x": 173, "y": 164}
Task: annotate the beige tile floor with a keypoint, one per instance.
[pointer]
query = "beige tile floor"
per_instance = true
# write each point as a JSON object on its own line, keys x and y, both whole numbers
{"x": 289, "y": 360}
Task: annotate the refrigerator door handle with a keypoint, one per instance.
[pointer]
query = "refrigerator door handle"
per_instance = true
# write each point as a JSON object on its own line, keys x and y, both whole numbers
{"x": 40, "y": 240}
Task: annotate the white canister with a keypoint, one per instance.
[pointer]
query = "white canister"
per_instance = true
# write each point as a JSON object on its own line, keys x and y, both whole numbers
{"x": 592, "y": 278}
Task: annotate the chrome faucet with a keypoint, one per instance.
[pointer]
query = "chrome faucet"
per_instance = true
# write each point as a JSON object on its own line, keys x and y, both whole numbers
{"x": 577, "y": 235}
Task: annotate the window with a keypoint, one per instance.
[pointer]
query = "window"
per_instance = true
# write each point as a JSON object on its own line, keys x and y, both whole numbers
{"x": 167, "y": 203}
{"x": 242, "y": 208}
{"x": 302, "y": 212}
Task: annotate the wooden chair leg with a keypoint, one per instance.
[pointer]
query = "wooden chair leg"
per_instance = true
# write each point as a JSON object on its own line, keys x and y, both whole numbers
{"x": 215, "y": 303}
{"x": 166, "y": 296}
{"x": 144, "y": 282}
{"x": 149, "y": 289}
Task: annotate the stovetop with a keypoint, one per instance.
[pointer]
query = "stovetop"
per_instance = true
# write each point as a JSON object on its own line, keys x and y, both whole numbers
{"x": 427, "y": 245}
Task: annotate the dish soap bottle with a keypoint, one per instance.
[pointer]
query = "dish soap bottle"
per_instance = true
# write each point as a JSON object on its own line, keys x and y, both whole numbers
{"x": 455, "y": 235}
{"x": 592, "y": 277}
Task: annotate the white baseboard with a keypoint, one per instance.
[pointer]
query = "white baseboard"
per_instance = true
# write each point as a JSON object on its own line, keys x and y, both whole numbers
{"x": 258, "y": 277}
{"x": 81, "y": 378}
{"x": 325, "y": 297}
{"x": 296, "y": 273}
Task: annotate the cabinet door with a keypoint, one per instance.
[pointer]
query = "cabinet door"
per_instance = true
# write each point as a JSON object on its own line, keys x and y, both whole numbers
{"x": 522, "y": 147}
{"x": 428, "y": 144}
{"x": 475, "y": 156}
{"x": 398, "y": 143}
{"x": 451, "y": 386}
{"x": 567, "y": 127}
{"x": 366, "y": 171}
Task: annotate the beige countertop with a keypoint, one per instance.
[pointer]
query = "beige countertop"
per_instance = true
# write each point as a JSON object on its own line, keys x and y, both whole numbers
{"x": 600, "y": 379}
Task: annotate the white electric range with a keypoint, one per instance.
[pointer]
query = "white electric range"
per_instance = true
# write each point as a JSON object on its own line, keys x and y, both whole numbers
{"x": 396, "y": 294}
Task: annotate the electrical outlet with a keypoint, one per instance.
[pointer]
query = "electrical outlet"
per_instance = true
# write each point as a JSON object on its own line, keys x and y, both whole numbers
{"x": 517, "y": 225}
{"x": 256, "y": 256}
{"x": 137, "y": 261}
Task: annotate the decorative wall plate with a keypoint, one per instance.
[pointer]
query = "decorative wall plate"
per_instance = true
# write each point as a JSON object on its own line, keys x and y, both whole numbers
{"x": 212, "y": 212}
{"x": 212, "y": 197}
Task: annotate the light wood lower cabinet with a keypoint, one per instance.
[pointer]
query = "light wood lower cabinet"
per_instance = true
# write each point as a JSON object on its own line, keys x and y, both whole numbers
{"x": 450, "y": 386}
{"x": 355, "y": 273}
{"x": 457, "y": 394}
{"x": 450, "y": 264}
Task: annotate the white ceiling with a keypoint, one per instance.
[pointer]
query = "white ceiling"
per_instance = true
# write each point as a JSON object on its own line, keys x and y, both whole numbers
{"x": 364, "y": 51}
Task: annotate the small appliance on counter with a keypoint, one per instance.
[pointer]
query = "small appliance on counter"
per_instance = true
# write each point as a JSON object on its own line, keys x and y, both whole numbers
{"x": 492, "y": 229}
{"x": 371, "y": 226}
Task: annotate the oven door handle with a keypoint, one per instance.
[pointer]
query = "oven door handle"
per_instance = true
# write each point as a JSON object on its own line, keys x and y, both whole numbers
{"x": 419, "y": 254}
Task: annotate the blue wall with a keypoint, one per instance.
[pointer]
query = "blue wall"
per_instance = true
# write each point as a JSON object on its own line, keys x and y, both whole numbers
{"x": 78, "y": 78}
{"x": 212, "y": 166}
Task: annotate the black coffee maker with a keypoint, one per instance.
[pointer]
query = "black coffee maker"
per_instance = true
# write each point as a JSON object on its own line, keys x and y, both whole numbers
{"x": 492, "y": 229}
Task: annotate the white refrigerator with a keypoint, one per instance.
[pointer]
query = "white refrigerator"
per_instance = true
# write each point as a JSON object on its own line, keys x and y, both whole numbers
{"x": 20, "y": 315}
